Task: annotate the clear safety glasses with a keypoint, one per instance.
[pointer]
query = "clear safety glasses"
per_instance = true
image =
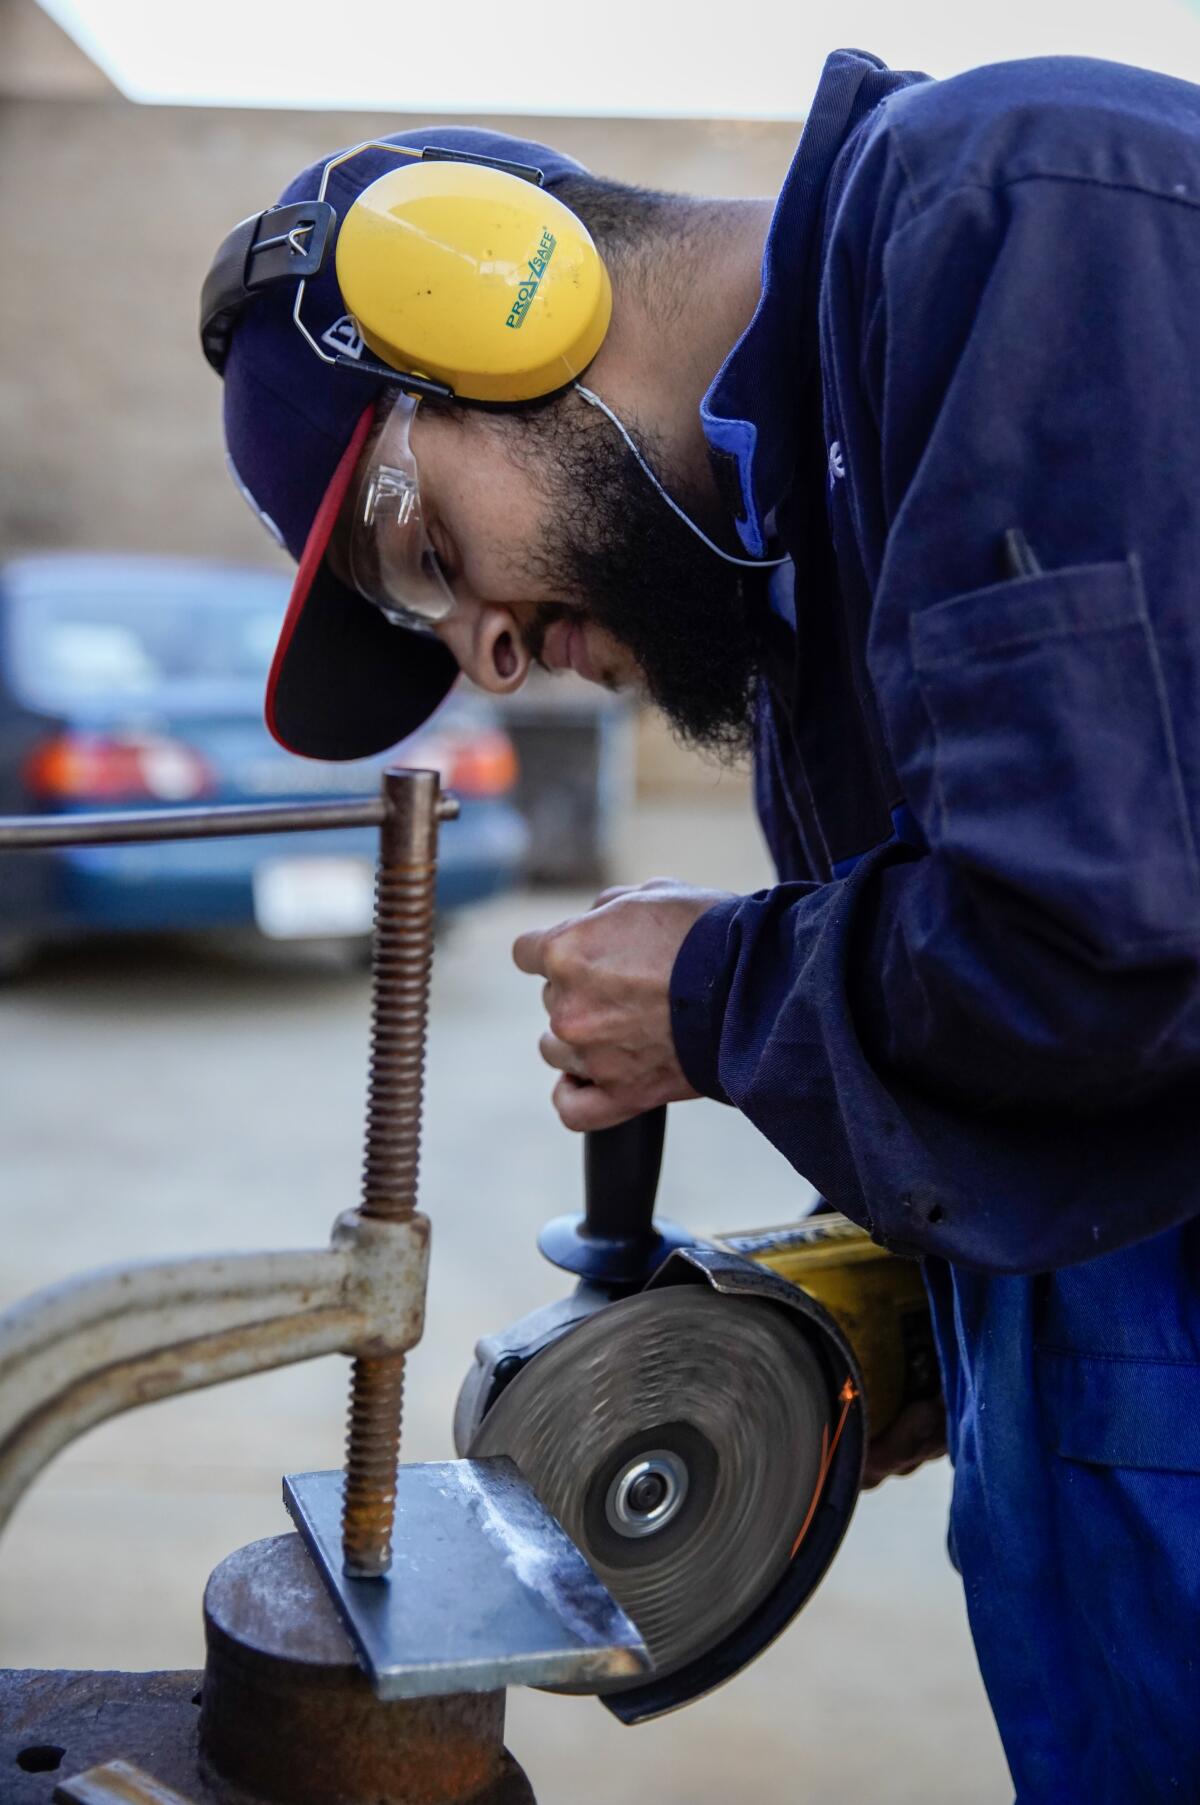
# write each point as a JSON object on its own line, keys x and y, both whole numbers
{"x": 392, "y": 562}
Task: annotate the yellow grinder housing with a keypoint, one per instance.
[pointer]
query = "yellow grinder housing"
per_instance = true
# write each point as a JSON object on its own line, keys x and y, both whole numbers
{"x": 474, "y": 277}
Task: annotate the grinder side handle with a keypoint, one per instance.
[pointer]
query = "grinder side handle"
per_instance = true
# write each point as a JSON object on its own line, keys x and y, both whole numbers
{"x": 616, "y": 1243}
{"x": 620, "y": 1177}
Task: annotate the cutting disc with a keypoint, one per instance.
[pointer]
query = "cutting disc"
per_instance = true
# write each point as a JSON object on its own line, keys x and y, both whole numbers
{"x": 677, "y": 1437}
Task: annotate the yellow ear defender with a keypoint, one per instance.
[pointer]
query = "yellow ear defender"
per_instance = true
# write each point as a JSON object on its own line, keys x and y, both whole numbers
{"x": 473, "y": 277}
{"x": 461, "y": 273}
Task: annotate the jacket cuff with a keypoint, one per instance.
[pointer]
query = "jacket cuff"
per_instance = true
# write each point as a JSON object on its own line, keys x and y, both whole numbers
{"x": 700, "y": 982}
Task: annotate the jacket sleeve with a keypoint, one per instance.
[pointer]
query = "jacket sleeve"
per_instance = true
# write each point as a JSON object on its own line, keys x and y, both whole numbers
{"x": 989, "y": 1051}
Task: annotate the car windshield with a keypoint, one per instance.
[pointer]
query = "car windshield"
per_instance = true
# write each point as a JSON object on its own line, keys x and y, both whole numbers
{"x": 119, "y": 642}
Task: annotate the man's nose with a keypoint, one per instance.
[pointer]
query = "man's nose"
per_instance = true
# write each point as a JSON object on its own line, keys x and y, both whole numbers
{"x": 487, "y": 644}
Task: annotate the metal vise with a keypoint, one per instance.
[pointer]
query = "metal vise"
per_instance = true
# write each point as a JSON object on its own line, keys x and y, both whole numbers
{"x": 339, "y": 1671}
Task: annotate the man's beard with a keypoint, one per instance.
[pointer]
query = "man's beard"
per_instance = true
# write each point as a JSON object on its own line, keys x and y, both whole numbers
{"x": 634, "y": 569}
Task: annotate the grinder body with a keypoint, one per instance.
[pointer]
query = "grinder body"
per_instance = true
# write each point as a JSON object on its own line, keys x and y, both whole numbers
{"x": 877, "y": 1299}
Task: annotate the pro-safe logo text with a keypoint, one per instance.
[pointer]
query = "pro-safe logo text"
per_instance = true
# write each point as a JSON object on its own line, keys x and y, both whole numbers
{"x": 537, "y": 268}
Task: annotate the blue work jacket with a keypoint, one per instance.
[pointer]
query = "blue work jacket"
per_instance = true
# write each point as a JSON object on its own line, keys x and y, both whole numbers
{"x": 968, "y": 407}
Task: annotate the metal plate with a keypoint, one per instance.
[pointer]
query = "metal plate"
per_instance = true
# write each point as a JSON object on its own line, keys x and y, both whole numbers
{"x": 485, "y": 1589}
{"x": 719, "y": 1409}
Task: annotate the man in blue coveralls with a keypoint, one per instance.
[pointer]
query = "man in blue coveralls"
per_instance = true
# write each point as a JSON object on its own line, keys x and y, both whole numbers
{"x": 953, "y": 375}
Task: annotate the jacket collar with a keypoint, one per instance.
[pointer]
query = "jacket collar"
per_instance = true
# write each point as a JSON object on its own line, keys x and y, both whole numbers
{"x": 752, "y": 409}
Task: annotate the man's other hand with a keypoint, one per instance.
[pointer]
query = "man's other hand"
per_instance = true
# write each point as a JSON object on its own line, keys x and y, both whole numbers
{"x": 917, "y": 1435}
{"x": 607, "y": 993}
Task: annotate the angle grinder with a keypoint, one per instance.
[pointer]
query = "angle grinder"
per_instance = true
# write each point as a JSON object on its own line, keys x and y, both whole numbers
{"x": 695, "y": 1412}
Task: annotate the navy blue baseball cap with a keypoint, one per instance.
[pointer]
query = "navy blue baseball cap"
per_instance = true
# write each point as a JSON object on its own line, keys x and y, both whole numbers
{"x": 345, "y": 682}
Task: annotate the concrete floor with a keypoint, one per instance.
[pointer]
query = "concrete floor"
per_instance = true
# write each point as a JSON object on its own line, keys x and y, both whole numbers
{"x": 163, "y": 1099}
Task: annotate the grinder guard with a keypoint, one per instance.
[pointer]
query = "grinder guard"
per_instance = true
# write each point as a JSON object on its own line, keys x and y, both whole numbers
{"x": 504, "y": 1357}
{"x": 734, "y": 1276}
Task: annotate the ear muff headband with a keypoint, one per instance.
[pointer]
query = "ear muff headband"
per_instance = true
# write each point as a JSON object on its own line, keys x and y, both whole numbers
{"x": 464, "y": 276}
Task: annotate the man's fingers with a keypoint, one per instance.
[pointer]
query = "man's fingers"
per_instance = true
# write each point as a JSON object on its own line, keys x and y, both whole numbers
{"x": 606, "y": 988}
{"x": 563, "y": 1058}
{"x": 529, "y": 952}
{"x": 582, "y": 1107}
{"x": 616, "y": 890}
{"x": 917, "y": 1435}
{"x": 548, "y": 952}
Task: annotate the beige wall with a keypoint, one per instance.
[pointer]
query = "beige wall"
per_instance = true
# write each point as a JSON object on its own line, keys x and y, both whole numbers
{"x": 109, "y": 213}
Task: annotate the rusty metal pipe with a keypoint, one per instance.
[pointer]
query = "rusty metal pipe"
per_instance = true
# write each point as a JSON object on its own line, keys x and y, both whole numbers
{"x": 400, "y": 972}
{"x": 27, "y": 832}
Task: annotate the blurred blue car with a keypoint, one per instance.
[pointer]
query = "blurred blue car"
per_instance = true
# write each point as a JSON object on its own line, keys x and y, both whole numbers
{"x": 135, "y": 682}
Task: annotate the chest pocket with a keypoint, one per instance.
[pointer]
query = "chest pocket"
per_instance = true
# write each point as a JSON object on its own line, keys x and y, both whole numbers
{"x": 1054, "y": 767}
